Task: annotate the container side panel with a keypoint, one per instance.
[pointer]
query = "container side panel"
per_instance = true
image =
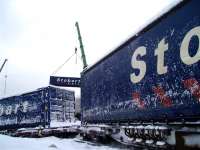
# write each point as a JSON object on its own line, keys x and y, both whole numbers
{"x": 61, "y": 104}
{"x": 21, "y": 110}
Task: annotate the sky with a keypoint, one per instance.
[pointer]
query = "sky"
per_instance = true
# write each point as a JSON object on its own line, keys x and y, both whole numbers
{"x": 37, "y": 36}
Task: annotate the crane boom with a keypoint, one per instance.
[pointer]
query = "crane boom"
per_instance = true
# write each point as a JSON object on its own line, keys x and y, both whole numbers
{"x": 3, "y": 65}
{"x": 81, "y": 46}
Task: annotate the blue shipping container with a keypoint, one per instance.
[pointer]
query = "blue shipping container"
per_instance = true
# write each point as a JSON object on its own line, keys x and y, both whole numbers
{"x": 35, "y": 108}
{"x": 154, "y": 75}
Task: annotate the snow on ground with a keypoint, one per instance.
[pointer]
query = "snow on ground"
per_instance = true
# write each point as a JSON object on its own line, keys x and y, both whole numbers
{"x": 63, "y": 124}
{"x": 48, "y": 143}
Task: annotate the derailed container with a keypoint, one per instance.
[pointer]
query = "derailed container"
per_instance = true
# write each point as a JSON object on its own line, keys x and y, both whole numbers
{"x": 154, "y": 75}
{"x": 36, "y": 108}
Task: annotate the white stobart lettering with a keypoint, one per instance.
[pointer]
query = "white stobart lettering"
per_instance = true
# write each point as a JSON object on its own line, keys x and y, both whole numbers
{"x": 16, "y": 108}
{"x": 160, "y": 52}
{"x": 8, "y": 110}
{"x": 138, "y": 64}
{"x": 25, "y": 106}
{"x": 184, "y": 53}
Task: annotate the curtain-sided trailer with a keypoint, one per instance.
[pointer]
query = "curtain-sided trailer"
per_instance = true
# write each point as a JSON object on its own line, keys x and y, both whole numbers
{"x": 148, "y": 89}
{"x": 154, "y": 75}
{"x": 37, "y": 108}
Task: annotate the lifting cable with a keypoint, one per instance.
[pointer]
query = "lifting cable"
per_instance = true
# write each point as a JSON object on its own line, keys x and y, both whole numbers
{"x": 60, "y": 67}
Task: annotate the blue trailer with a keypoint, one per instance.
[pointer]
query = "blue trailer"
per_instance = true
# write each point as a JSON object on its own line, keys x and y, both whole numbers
{"x": 154, "y": 75}
{"x": 147, "y": 90}
{"x": 36, "y": 108}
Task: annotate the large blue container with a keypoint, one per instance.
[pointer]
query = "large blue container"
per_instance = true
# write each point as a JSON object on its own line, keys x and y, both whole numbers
{"x": 36, "y": 108}
{"x": 155, "y": 75}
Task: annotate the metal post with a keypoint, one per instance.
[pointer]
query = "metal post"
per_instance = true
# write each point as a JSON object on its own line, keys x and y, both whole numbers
{"x": 5, "y": 86}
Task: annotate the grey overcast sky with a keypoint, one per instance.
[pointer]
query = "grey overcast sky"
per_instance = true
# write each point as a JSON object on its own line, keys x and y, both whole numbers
{"x": 36, "y": 36}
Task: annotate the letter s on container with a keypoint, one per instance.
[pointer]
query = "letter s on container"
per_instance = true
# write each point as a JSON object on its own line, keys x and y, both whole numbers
{"x": 138, "y": 64}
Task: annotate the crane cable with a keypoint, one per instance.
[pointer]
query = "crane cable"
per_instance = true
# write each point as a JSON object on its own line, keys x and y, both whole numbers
{"x": 60, "y": 67}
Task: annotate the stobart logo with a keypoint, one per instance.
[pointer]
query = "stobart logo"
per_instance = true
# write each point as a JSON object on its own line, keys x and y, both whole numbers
{"x": 160, "y": 53}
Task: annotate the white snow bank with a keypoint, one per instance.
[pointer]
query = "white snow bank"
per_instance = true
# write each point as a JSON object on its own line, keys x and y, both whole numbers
{"x": 48, "y": 143}
{"x": 192, "y": 140}
{"x": 63, "y": 124}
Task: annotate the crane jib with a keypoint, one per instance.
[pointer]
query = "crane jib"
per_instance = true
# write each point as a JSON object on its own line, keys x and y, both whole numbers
{"x": 3, "y": 64}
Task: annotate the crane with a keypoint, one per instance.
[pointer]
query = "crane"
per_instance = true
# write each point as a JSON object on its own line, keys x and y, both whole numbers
{"x": 81, "y": 46}
{"x": 3, "y": 65}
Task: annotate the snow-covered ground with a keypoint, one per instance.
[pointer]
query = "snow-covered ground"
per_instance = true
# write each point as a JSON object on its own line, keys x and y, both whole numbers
{"x": 63, "y": 124}
{"x": 49, "y": 143}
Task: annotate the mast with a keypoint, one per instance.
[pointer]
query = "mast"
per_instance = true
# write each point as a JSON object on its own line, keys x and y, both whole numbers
{"x": 81, "y": 46}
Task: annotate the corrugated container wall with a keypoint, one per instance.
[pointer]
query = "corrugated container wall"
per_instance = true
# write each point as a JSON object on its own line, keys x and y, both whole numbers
{"x": 62, "y": 104}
